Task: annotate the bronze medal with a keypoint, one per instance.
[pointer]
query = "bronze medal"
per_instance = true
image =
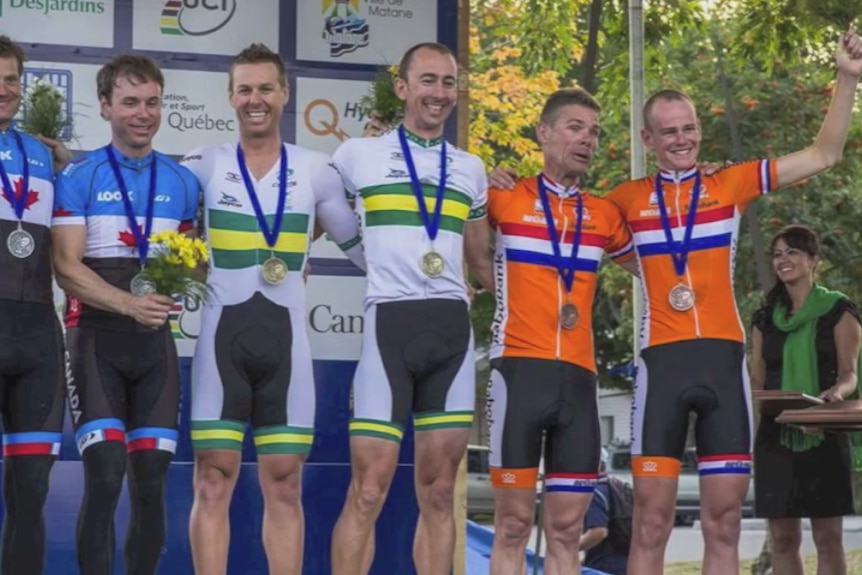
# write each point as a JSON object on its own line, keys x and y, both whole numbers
{"x": 569, "y": 316}
{"x": 681, "y": 297}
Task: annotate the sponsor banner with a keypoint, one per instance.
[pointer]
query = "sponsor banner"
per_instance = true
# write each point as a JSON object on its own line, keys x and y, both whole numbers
{"x": 222, "y": 27}
{"x": 64, "y": 22}
{"x": 368, "y": 32}
{"x": 328, "y": 112}
{"x": 334, "y": 319}
{"x": 194, "y": 111}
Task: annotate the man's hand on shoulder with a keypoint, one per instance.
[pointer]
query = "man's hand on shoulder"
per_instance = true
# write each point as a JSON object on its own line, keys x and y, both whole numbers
{"x": 502, "y": 178}
{"x": 375, "y": 127}
{"x": 59, "y": 152}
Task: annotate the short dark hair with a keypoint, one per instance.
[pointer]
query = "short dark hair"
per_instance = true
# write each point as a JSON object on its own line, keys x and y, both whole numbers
{"x": 9, "y": 49}
{"x": 667, "y": 95}
{"x": 407, "y": 59}
{"x": 258, "y": 54}
{"x": 139, "y": 69}
{"x": 566, "y": 97}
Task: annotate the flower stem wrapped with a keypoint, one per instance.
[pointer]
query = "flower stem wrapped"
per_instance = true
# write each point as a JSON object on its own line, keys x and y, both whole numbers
{"x": 177, "y": 267}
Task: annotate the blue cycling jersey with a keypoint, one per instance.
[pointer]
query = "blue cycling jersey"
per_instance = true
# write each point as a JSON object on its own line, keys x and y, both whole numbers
{"x": 88, "y": 194}
{"x": 27, "y": 278}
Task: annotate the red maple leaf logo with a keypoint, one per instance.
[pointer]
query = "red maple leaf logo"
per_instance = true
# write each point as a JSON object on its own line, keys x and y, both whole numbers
{"x": 60, "y": 212}
{"x": 32, "y": 195}
{"x": 128, "y": 238}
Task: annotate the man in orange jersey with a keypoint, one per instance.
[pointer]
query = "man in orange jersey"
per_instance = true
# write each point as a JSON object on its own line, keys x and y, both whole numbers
{"x": 550, "y": 239}
{"x": 684, "y": 224}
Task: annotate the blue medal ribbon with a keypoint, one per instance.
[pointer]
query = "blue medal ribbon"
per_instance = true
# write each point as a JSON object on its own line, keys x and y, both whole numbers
{"x": 431, "y": 222}
{"x": 270, "y": 235}
{"x": 18, "y": 203}
{"x": 566, "y": 270}
{"x": 142, "y": 240}
{"x": 678, "y": 250}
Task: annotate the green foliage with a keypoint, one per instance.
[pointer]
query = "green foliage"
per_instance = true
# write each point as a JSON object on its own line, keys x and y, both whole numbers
{"x": 780, "y": 68}
{"x": 43, "y": 110}
{"x": 381, "y": 97}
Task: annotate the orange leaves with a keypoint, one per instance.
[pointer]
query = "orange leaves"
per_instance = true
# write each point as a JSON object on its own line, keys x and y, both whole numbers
{"x": 505, "y": 105}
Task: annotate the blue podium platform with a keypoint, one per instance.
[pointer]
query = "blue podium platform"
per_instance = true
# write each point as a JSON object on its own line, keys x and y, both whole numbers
{"x": 325, "y": 480}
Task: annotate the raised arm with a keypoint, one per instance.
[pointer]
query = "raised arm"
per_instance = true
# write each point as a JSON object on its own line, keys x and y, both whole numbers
{"x": 828, "y": 147}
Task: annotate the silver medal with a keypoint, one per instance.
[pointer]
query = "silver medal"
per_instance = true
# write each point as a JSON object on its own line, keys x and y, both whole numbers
{"x": 21, "y": 243}
{"x": 142, "y": 285}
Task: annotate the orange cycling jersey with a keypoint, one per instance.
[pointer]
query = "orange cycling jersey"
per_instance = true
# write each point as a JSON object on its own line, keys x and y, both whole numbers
{"x": 709, "y": 270}
{"x": 530, "y": 292}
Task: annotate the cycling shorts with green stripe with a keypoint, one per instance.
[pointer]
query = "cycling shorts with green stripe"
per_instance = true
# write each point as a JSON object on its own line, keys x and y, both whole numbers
{"x": 253, "y": 362}
{"x": 417, "y": 357}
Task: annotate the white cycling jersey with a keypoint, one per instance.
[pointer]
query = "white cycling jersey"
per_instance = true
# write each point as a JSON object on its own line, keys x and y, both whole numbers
{"x": 237, "y": 245}
{"x": 374, "y": 170}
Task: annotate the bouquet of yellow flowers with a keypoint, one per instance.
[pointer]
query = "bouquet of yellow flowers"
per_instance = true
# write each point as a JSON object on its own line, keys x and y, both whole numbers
{"x": 43, "y": 111}
{"x": 177, "y": 266}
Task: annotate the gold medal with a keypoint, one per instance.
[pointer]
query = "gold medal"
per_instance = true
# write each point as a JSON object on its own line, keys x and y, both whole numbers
{"x": 681, "y": 297}
{"x": 432, "y": 264}
{"x": 569, "y": 316}
{"x": 273, "y": 270}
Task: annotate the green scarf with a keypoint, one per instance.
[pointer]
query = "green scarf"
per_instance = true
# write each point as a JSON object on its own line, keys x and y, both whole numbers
{"x": 799, "y": 363}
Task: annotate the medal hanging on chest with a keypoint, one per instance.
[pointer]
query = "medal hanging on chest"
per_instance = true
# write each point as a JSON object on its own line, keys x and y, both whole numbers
{"x": 568, "y": 314}
{"x": 681, "y": 297}
{"x": 140, "y": 284}
{"x": 274, "y": 269}
{"x": 432, "y": 263}
{"x": 20, "y": 242}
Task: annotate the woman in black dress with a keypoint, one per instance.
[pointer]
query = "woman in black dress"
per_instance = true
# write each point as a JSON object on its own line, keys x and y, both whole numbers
{"x": 805, "y": 338}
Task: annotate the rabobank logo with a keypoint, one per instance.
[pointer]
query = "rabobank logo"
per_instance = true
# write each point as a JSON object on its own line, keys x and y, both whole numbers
{"x": 52, "y": 6}
{"x": 196, "y": 17}
{"x": 344, "y": 30}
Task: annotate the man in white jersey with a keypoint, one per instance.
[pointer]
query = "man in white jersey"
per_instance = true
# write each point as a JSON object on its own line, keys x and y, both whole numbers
{"x": 252, "y": 360}
{"x": 423, "y": 204}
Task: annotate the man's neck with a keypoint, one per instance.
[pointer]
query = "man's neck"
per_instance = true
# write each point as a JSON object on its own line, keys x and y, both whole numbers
{"x": 676, "y": 175}
{"x": 260, "y": 146}
{"x": 429, "y": 135}
{"x": 561, "y": 177}
{"x": 4, "y": 126}
{"x": 130, "y": 152}
{"x": 798, "y": 292}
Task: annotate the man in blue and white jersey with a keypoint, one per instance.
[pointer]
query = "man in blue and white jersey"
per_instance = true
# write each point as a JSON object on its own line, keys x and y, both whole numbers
{"x": 124, "y": 391}
{"x": 31, "y": 340}
{"x": 424, "y": 207}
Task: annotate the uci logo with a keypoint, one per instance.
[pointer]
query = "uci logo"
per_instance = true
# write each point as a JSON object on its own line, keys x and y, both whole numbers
{"x": 196, "y": 17}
